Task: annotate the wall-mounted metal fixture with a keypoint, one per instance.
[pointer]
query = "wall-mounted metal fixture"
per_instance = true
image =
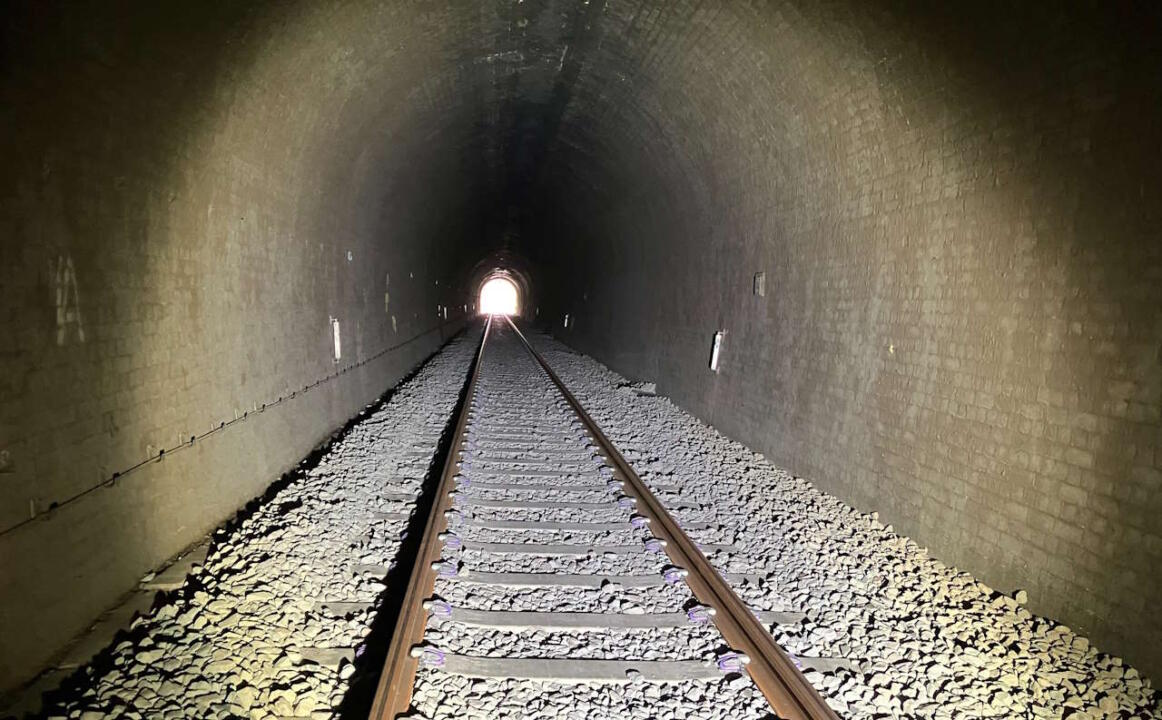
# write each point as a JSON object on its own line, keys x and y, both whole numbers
{"x": 716, "y": 349}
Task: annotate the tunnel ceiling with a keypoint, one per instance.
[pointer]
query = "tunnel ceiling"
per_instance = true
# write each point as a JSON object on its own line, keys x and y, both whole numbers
{"x": 501, "y": 119}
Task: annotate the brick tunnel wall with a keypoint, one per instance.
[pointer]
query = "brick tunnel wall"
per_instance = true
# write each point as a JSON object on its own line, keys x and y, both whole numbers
{"x": 957, "y": 216}
{"x": 190, "y": 195}
{"x": 955, "y": 210}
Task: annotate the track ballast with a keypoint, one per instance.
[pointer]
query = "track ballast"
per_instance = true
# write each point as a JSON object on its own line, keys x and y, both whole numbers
{"x": 552, "y": 580}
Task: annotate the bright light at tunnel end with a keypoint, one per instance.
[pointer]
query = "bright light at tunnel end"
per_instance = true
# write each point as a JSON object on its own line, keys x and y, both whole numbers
{"x": 498, "y": 296}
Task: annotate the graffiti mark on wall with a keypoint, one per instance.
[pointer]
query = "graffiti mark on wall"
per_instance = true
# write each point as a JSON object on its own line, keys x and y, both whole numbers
{"x": 69, "y": 326}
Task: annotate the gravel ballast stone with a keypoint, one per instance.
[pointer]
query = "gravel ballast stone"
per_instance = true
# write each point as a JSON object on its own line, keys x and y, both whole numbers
{"x": 932, "y": 641}
{"x": 274, "y": 621}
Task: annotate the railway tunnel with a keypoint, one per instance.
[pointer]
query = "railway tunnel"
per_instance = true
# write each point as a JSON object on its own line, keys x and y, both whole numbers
{"x": 904, "y": 256}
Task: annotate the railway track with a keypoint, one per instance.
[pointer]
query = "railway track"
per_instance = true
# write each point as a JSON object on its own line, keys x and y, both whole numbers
{"x": 546, "y": 559}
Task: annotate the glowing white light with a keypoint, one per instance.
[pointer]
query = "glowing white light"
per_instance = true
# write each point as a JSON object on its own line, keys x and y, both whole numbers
{"x": 498, "y": 297}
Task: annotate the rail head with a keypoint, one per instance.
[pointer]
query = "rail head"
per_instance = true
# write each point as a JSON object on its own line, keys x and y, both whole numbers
{"x": 393, "y": 694}
{"x": 791, "y": 696}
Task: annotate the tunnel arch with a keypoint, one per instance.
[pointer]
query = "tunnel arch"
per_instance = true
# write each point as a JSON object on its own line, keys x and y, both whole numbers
{"x": 511, "y": 266}
{"x": 948, "y": 306}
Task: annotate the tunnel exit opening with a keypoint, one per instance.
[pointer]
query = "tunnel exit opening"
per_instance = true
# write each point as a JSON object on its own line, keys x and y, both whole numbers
{"x": 499, "y": 296}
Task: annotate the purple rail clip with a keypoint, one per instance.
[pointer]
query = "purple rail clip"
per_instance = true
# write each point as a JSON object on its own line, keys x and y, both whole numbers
{"x": 428, "y": 656}
{"x": 655, "y": 545}
{"x": 674, "y": 575}
{"x": 438, "y": 608}
{"x": 445, "y": 568}
{"x": 613, "y": 486}
{"x": 639, "y": 521}
{"x": 732, "y": 662}
{"x": 626, "y": 502}
{"x": 452, "y": 541}
{"x": 700, "y": 614}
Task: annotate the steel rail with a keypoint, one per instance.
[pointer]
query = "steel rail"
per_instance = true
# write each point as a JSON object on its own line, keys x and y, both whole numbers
{"x": 393, "y": 695}
{"x": 791, "y": 696}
